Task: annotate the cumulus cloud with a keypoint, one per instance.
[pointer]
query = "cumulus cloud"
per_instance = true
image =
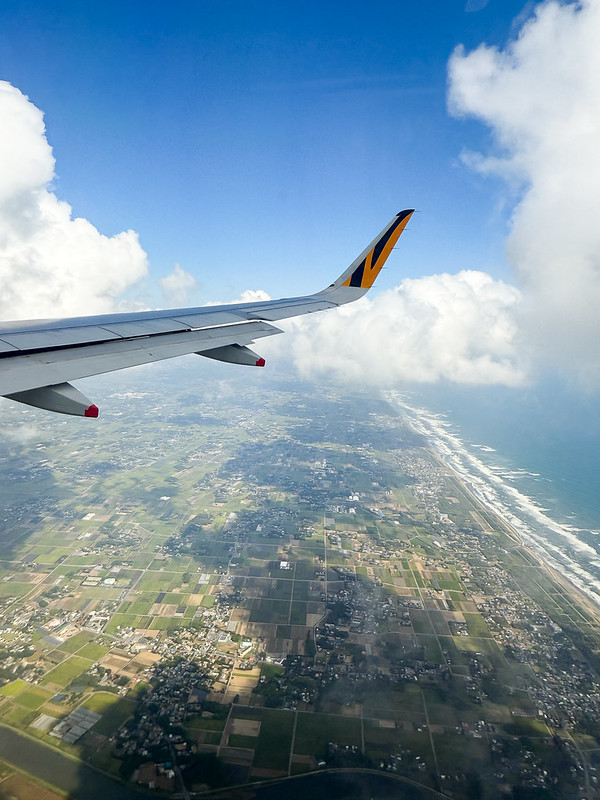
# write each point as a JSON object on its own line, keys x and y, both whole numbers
{"x": 540, "y": 96}
{"x": 444, "y": 327}
{"x": 253, "y": 296}
{"x": 247, "y": 296}
{"x": 50, "y": 263}
{"x": 177, "y": 286}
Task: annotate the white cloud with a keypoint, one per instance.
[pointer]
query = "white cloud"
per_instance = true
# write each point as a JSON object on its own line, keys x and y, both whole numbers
{"x": 177, "y": 286}
{"x": 458, "y": 328}
{"x": 541, "y": 98}
{"x": 50, "y": 263}
{"x": 253, "y": 296}
{"x": 247, "y": 296}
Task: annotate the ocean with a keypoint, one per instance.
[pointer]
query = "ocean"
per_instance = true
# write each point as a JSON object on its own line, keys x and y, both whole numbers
{"x": 533, "y": 456}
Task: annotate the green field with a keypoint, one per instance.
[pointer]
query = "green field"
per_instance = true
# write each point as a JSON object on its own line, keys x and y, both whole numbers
{"x": 315, "y": 731}
{"x": 65, "y": 672}
{"x": 76, "y": 642}
{"x": 208, "y": 496}
{"x": 33, "y": 698}
{"x": 13, "y": 688}
{"x": 275, "y": 740}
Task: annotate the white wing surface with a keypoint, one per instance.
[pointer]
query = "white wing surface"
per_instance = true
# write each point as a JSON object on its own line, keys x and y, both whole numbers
{"x": 38, "y": 358}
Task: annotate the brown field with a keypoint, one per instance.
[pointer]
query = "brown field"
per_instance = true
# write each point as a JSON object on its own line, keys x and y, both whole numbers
{"x": 195, "y": 599}
{"x": 114, "y": 663}
{"x": 245, "y": 727}
{"x": 146, "y": 658}
{"x": 20, "y": 788}
{"x": 163, "y": 610}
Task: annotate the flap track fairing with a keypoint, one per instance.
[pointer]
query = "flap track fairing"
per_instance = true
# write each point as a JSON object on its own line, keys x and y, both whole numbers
{"x": 234, "y": 354}
{"x": 61, "y": 397}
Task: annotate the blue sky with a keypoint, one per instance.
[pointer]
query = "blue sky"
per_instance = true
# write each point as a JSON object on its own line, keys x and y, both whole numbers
{"x": 261, "y": 145}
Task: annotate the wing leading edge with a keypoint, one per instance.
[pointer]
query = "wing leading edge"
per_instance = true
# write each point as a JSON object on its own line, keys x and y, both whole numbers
{"x": 38, "y": 358}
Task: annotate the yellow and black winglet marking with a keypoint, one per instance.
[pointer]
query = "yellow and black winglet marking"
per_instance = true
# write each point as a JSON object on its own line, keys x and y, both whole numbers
{"x": 364, "y": 275}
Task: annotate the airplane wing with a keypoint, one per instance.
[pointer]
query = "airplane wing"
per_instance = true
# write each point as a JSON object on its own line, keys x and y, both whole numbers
{"x": 38, "y": 358}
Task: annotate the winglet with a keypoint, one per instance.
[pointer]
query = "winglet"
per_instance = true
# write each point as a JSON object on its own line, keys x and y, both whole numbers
{"x": 361, "y": 274}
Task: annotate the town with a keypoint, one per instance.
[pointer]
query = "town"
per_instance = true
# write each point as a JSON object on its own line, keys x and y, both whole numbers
{"x": 283, "y": 583}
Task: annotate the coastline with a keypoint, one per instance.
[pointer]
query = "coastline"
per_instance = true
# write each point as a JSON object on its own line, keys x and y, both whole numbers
{"x": 581, "y": 598}
{"x": 556, "y": 551}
